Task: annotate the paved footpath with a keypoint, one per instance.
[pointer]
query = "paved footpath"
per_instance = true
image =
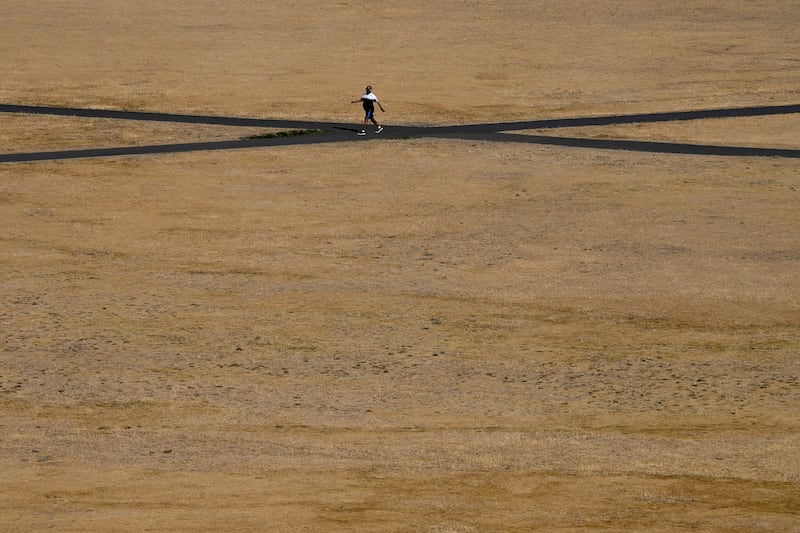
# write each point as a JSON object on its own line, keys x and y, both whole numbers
{"x": 330, "y": 132}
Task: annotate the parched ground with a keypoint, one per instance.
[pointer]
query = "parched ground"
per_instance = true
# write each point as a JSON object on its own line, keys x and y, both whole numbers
{"x": 419, "y": 334}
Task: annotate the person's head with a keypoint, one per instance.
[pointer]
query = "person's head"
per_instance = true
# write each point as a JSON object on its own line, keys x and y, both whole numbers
{"x": 368, "y": 89}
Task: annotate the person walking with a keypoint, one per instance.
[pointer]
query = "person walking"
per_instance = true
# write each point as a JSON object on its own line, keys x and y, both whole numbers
{"x": 368, "y": 102}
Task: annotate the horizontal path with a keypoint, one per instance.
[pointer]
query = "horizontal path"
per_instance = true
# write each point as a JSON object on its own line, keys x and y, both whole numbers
{"x": 341, "y": 132}
{"x": 639, "y": 118}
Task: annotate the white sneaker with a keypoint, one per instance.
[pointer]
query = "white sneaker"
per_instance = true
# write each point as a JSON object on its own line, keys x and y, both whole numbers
{"x": 380, "y": 129}
{"x": 362, "y": 132}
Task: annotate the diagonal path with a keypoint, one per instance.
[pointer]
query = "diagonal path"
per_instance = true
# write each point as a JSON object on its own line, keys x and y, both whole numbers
{"x": 639, "y": 146}
{"x": 344, "y": 132}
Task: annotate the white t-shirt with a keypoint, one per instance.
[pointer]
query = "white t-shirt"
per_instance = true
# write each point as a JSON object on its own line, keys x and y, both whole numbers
{"x": 368, "y": 102}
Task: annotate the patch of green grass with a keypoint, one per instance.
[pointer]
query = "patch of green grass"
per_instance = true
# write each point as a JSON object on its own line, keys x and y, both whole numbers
{"x": 282, "y": 134}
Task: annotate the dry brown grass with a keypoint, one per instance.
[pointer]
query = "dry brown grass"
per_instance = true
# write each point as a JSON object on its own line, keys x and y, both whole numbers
{"x": 407, "y": 334}
{"x": 33, "y": 133}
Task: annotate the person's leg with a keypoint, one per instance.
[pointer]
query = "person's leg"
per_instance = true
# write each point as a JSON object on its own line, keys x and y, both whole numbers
{"x": 367, "y": 118}
{"x": 364, "y": 125}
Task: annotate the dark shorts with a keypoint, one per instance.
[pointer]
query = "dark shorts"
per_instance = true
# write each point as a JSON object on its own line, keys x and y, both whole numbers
{"x": 368, "y": 114}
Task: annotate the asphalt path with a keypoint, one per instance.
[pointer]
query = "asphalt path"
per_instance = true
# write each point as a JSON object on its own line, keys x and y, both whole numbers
{"x": 330, "y": 132}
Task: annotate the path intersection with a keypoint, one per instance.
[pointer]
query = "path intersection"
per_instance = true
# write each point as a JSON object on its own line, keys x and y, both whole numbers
{"x": 329, "y": 132}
